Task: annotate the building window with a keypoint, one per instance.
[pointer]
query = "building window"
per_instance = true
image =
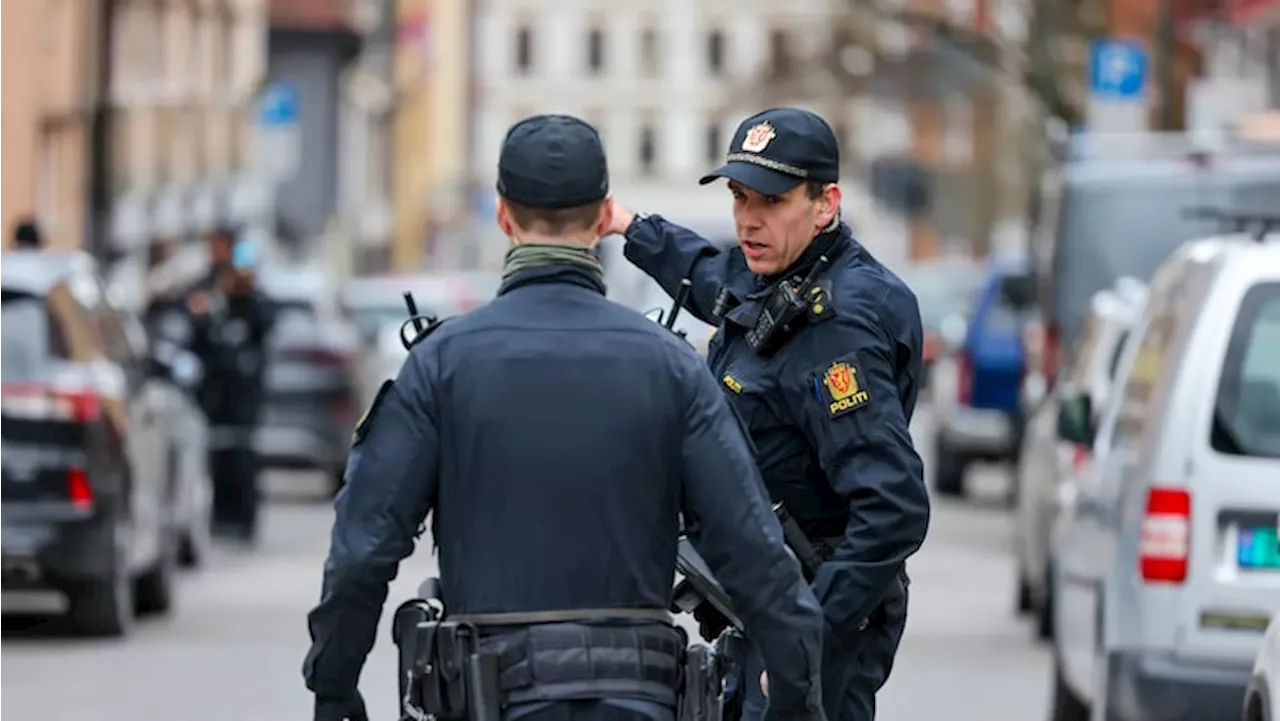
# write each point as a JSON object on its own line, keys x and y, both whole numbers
{"x": 595, "y": 50}
{"x": 715, "y": 52}
{"x": 524, "y": 49}
{"x": 715, "y": 142}
{"x": 781, "y": 62}
{"x": 649, "y": 52}
{"x": 648, "y": 150}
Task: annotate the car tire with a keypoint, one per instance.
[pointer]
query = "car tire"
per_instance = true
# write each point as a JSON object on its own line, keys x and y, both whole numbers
{"x": 103, "y": 609}
{"x": 951, "y": 466}
{"x": 1064, "y": 705}
{"x": 154, "y": 589}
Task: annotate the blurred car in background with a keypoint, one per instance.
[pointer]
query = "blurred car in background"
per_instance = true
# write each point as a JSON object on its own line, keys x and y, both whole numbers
{"x": 945, "y": 291}
{"x": 1048, "y": 465}
{"x": 311, "y": 404}
{"x": 1166, "y": 563}
{"x": 89, "y": 489}
{"x": 978, "y": 405}
{"x": 375, "y": 306}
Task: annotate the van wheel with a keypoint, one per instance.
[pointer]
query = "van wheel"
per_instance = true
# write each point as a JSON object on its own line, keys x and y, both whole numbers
{"x": 951, "y": 467}
{"x": 154, "y": 590}
{"x": 1065, "y": 705}
{"x": 103, "y": 608}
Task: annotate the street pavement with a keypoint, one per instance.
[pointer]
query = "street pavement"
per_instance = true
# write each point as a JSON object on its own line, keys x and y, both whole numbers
{"x": 234, "y": 646}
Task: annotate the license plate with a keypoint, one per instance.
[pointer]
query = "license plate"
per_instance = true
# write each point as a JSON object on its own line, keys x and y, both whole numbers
{"x": 1259, "y": 548}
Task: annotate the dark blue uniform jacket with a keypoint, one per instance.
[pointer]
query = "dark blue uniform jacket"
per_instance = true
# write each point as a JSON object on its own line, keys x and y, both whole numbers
{"x": 829, "y": 411}
{"x": 556, "y": 435}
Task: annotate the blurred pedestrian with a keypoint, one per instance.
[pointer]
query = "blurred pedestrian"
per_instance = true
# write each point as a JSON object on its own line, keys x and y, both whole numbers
{"x": 818, "y": 346}
{"x": 232, "y": 321}
{"x": 554, "y": 436}
{"x": 27, "y": 235}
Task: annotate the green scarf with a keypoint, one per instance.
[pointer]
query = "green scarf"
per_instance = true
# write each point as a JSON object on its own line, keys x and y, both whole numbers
{"x": 534, "y": 255}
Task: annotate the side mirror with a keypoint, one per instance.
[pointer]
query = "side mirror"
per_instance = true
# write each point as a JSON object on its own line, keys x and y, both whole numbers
{"x": 1075, "y": 420}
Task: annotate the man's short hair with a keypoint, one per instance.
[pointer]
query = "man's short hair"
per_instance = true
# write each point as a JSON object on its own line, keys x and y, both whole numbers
{"x": 554, "y": 221}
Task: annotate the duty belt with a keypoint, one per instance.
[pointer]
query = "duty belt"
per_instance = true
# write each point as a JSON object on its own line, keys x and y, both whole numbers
{"x": 579, "y": 615}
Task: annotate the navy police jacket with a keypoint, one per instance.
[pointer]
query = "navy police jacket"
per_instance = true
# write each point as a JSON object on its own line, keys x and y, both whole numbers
{"x": 555, "y": 436}
{"x": 829, "y": 411}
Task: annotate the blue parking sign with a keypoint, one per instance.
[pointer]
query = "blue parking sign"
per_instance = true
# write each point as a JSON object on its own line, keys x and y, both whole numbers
{"x": 1117, "y": 69}
{"x": 279, "y": 105}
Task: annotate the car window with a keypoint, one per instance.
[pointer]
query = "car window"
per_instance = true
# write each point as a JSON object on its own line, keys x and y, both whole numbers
{"x": 1247, "y": 413}
{"x": 30, "y": 341}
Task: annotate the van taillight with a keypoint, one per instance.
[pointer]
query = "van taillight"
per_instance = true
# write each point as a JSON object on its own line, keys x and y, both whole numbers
{"x": 79, "y": 490}
{"x": 1165, "y": 541}
{"x": 42, "y": 403}
{"x": 964, "y": 379}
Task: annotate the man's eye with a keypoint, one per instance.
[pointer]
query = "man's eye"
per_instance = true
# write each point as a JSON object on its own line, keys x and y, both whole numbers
{"x": 773, "y": 199}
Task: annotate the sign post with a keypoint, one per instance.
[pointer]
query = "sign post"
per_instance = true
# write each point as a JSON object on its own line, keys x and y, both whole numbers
{"x": 1118, "y": 99}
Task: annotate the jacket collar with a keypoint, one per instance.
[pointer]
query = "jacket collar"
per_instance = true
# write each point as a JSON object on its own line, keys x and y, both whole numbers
{"x": 553, "y": 273}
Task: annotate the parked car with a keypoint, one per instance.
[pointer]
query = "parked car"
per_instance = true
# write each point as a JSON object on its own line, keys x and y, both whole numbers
{"x": 310, "y": 407}
{"x": 945, "y": 291}
{"x": 1112, "y": 209}
{"x": 375, "y": 305}
{"x": 1262, "y": 700}
{"x": 1165, "y": 562}
{"x": 87, "y": 489}
{"x": 1048, "y": 464}
{"x": 979, "y": 411}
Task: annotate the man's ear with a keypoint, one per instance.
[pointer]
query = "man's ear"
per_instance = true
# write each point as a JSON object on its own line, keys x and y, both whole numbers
{"x": 504, "y": 217}
{"x": 604, "y": 218}
{"x": 829, "y": 206}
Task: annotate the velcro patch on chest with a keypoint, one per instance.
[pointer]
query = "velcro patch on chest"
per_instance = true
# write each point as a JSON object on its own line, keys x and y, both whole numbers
{"x": 731, "y": 383}
{"x": 839, "y": 390}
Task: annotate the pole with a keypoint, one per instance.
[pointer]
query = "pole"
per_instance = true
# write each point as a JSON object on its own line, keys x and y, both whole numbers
{"x": 1166, "y": 40}
{"x": 99, "y": 156}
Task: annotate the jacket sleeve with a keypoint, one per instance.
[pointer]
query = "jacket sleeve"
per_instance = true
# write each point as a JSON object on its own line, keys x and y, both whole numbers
{"x": 669, "y": 253}
{"x": 391, "y": 482}
{"x": 844, "y": 394}
{"x": 742, "y": 542}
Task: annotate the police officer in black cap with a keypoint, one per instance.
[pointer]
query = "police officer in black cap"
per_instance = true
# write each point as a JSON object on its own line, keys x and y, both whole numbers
{"x": 818, "y": 346}
{"x": 555, "y": 436}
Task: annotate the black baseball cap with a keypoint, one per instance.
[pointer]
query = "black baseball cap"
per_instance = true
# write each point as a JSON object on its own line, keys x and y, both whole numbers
{"x": 552, "y": 162}
{"x": 778, "y": 149}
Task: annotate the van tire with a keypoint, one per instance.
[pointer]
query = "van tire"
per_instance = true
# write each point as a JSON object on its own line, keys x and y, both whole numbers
{"x": 102, "y": 609}
{"x": 1044, "y": 613}
{"x": 951, "y": 466}
{"x": 1024, "y": 604}
{"x": 1064, "y": 705}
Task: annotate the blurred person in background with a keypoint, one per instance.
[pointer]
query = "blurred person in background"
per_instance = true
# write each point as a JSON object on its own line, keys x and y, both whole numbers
{"x": 232, "y": 321}
{"x": 818, "y": 347}
{"x": 27, "y": 235}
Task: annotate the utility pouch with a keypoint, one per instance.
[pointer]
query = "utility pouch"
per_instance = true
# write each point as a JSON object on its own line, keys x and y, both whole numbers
{"x": 433, "y": 662}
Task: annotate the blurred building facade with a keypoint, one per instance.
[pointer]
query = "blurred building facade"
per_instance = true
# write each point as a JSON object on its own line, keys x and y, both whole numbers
{"x": 432, "y": 61}
{"x": 125, "y": 121}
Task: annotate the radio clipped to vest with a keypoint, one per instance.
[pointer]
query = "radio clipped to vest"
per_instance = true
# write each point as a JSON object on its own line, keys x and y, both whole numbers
{"x": 788, "y": 302}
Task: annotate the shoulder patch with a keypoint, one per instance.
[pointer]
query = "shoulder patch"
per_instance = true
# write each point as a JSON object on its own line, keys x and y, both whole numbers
{"x": 838, "y": 389}
{"x": 362, "y": 425}
{"x": 819, "y": 301}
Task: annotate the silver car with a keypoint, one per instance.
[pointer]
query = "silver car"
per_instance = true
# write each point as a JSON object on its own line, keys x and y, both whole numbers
{"x": 1048, "y": 464}
{"x": 1166, "y": 564}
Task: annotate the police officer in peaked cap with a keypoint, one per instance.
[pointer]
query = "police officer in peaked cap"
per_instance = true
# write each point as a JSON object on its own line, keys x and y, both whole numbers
{"x": 554, "y": 437}
{"x": 818, "y": 347}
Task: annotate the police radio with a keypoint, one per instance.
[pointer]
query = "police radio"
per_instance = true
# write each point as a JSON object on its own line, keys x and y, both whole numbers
{"x": 669, "y": 321}
{"x": 785, "y": 305}
{"x": 422, "y": 323}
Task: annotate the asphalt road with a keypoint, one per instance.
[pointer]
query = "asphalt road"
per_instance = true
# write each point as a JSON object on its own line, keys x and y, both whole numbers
{"x": 233, "y": 648}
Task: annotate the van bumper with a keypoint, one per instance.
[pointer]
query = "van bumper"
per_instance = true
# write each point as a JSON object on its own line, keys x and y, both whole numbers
{"x": 1143, "y": 686}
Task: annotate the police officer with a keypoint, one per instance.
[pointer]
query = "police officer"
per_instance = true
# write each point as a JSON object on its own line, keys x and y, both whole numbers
{"x": 555, "y": 436}
{"x": 232, "y": 321}
{"x": 818, "y": 347}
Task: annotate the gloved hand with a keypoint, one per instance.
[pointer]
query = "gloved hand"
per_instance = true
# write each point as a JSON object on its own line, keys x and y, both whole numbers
{"x": 348, "y": 709}
{"x": 711, "y": 623}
